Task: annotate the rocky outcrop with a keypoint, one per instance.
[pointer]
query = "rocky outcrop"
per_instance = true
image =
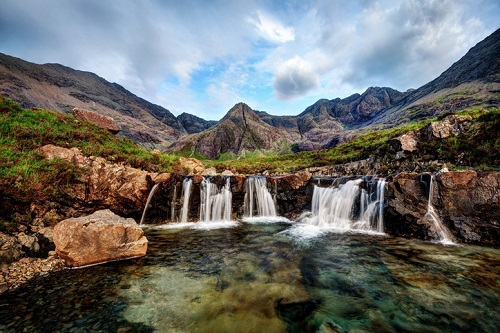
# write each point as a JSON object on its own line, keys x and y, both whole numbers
{"x": 104, "y": 184}
{"x": 98, "y": 119}
{"x": 467, "y": 202}
{"x": 98, "y": 238}
{"x": 188, "y": 166}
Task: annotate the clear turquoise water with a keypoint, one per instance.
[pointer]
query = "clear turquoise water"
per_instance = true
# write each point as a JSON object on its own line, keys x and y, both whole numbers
{"x": 260, "y": 278}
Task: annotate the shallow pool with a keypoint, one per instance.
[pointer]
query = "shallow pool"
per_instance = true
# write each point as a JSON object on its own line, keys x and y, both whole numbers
{"x": 267, "y": 278}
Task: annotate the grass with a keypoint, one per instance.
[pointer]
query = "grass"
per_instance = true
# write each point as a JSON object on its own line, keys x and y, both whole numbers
{"x": 480, "y": 147}
{"x": 25, "y": 176}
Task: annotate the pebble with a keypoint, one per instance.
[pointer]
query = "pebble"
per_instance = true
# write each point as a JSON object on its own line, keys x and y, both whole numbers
{"x": 21, "y": 271}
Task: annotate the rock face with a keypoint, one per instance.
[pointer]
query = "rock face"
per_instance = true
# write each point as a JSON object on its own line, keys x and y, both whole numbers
{"x": 100, "y": 120}
{"x": 98, "y": 238}
{"x": 467, "y": 202}
{"x": 194, "y": 124}
{"x": 104, "y": 184}
{"x": 189, "y": 166}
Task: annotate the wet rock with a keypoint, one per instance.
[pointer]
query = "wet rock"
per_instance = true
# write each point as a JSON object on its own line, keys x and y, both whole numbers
{"x": 469, "y": 202}
{"x": 98, "y": 238}
{"x": 209, "y": 172}
{"x": 98, "y": 119}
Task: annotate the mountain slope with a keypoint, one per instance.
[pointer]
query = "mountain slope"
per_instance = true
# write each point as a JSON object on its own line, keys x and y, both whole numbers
{"x": 240, "y": 130}
{"x": 194, "y": 124}
{"x": 53, "y": 86}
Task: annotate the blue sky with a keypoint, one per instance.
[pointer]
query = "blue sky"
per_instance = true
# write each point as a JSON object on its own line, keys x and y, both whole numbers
{"x": 202, "y": 57}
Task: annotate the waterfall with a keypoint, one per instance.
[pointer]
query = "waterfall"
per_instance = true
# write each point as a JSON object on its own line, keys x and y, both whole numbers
{"x": 186, "y": 193}
{"x": 337, "y": 207}
{"x": 371, "y": 213}
{"x": 443, "y": 233}
{"x": 150, "y": 196}
{"x": 215, "y": 204}
{"x": 258, "y": 198}
{"x": 333, "y": 207}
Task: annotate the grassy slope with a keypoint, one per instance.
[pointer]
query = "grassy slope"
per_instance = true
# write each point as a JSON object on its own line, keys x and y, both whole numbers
{"x": 26, "y": 177}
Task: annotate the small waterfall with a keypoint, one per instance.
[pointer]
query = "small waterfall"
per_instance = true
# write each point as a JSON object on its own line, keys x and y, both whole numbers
{"x": 186, "y": 193}
{"x": 333, "y": 207}
{"x": 258, "y": 198}
{"x": 348, "y": 207}
{"x": 150, "y": 196}
{"x": 371, "y": 213}
{"x": 443, "y": 233}
{"x": 215, "y": 204}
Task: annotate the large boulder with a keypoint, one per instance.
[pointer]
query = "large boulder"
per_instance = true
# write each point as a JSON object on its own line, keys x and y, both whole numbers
{"x": 189, "y": 166}
{"x": 98, "y": 238}
{"x": 98, "y": 119}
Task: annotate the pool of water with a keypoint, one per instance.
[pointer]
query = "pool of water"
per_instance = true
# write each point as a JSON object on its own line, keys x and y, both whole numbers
{"x": 267, "y": 278}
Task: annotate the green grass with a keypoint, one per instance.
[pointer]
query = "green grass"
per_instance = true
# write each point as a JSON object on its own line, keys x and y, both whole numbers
{"x": 479, "y": 144}
{"x": 25, "y": 176}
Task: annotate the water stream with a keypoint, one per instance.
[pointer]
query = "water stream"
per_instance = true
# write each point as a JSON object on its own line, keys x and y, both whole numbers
{"x": 150, "y": 196}
{"x": 444, "y": 235}
{"x": 258, "y": 278}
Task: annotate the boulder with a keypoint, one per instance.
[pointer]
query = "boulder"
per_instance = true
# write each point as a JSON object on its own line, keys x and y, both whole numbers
{"x": 189, "y": 166}
{"x": 98, "y": 238}
{"x": 98, "y": 119}
{"x": 452, "y": 125}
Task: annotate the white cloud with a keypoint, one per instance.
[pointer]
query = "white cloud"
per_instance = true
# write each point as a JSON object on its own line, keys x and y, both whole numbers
{"x": 294, "y": 78}
{"x": 271, "y": 29}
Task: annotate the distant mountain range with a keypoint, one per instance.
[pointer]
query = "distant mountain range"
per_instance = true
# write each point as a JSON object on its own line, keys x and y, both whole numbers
{"x": 473, "y": 80}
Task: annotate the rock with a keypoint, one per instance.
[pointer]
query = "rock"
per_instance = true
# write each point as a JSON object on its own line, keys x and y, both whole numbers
{"x": 10, "y": 248}
{"x": 156, "y": 152}
{"x": 98, "y": 238}
{"x": 189, "y": 166}
{"x": 209, "y": 172}
{"x": 469, "y": 202}
{"x": 227, "y": 173}
{"x": 107, "y": 185}
{"x": 451, "y": 125}
{"x": 407, "y": 142}
{"x": 98, "y": 119}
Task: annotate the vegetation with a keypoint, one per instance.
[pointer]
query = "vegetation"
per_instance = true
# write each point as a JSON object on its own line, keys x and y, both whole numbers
{"x": 479, "y": 145}
{"x": 25, "y": 176}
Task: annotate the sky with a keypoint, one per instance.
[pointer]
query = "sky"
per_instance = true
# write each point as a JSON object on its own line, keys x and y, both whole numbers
{"x": 202, "y": 57}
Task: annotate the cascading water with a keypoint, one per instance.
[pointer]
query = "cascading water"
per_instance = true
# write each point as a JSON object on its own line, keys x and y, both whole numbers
{"x": 215, "y": 204}
{"x": 258, "y": 199}
{"x": 371, "y": 213}
{"x": 347, "y": 207}
{"x": 150, "y": 196}
{"x": 186, "y": 193}
{"x": 442, "y": 232}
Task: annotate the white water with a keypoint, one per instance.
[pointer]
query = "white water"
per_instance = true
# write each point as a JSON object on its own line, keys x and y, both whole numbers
{"x": 186, "y": 193}
{"x": 333, "y": 209}
{"x": 443, "y": 233}
{"x": 150, "y": 196}
{"x": 172, "y": 204}
{"x": 258, "y": 198}
{"x": 215, "y": 204}
{"x": 371, "y": 213}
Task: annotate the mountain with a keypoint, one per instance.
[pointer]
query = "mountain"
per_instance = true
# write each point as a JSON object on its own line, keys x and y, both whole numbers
{"x": 240, "y": 130}
{"x": 53, "y": 86}
{"x": 194, "y": 124}
{"x": 474, "y": 80}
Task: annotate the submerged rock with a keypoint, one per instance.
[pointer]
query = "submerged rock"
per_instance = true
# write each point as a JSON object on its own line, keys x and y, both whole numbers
{"x": 98, "y": 238}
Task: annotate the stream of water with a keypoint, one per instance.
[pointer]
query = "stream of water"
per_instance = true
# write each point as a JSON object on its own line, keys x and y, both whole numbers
{"x": 263, "y": 278}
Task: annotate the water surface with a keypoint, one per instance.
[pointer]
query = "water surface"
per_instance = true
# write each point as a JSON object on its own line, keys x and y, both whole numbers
{"x": 264, "y": 278}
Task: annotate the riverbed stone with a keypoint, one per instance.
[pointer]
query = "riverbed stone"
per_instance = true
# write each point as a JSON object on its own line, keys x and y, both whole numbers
{"x": 98, "y": 238}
